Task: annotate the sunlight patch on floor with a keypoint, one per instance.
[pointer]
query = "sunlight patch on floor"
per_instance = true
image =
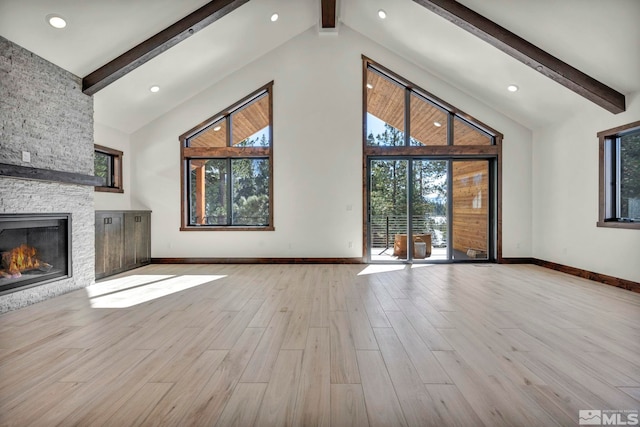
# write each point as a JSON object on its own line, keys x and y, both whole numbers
{"x": 146, "y": 292}
{"x": 122, "y": 283}
{"x": 381, "y": 268}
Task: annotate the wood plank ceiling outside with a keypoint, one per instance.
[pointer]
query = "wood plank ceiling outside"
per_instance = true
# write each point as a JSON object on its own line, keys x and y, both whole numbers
{"x": 527, "y": 53}
{"x": 328, "y": 8}
{"x": 155, "y": 45}
{"x": 245, "y": 122}
{"x": 385, "y": 100}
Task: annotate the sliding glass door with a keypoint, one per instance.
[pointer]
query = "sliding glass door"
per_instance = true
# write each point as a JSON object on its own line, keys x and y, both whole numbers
{"x": 388, "y": 209}
{"x": 428, "y": 210}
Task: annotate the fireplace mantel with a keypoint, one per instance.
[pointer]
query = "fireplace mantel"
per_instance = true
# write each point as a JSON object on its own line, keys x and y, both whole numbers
{"x": 17, "y": 171}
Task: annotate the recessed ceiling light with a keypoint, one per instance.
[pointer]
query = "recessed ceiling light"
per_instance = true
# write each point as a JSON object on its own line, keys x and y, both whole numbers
{"x": 217, "y": 128}
{"x": 154, "y": 88}
{"x": 382, "y": 14}
{"x": 512, "y": 88}
{"x": 56, "y": 21}
{"x": 437, "y": 124}
{"x": 369, "y": 86}
{"x": 274, "y": 17}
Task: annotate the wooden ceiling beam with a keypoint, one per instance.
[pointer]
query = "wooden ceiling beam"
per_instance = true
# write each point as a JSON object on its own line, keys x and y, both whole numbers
{"x": 155, "y": 45}
{"x": 527, "y": 53}
{"x": 328, "y": 8}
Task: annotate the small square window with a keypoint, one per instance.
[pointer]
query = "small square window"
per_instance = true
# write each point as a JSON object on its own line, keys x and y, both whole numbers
{"x": 108, "y": 167}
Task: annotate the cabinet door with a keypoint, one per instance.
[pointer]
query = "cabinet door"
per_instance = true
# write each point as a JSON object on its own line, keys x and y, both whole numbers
{"x": 109, "y": 243}
{"x": 137, "y": 239}
{"x": 143, "y": 238}
{"x": 101, "y": 269}
{"x": 130, "y": 226}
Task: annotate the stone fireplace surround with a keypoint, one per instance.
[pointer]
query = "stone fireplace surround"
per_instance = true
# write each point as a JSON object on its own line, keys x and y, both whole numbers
{"x": 44, "y": 112}
{"x": 25, "y": 196}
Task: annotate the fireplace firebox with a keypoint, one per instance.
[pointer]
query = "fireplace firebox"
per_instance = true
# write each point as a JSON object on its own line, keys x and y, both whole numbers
{"x": 34, "y": 249}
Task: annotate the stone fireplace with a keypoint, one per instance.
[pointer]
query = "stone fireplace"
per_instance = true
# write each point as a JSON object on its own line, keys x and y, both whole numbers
{"x": 34, "y": 249}
{"x": 46, "y": 160}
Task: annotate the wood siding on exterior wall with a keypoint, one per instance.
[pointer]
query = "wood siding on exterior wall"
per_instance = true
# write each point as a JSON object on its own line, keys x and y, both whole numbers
{"x": 470, "y": 205}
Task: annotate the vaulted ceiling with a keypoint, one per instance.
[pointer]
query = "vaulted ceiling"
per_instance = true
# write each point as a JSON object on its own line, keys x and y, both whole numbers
{"x": 598, "y": 37}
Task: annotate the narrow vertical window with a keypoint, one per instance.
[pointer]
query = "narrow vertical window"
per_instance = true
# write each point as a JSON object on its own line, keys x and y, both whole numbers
{"x": 620, "y": 177}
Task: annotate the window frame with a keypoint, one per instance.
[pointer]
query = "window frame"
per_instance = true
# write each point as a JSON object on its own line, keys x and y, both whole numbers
{"x": 451, "y": 150}
{"x": 410, "y": 89}
{"x": 227, "y": 152}
{"x": 609, "y": 177}
{"x": 116, "y": 169}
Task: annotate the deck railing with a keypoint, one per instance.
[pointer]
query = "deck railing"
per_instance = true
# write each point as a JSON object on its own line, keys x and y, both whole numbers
{"x": 384, "y": 229}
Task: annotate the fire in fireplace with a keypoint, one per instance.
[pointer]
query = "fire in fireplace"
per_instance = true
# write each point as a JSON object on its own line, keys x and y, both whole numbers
{"x": 21, "y": 259}
{"x": 34, "y": 249}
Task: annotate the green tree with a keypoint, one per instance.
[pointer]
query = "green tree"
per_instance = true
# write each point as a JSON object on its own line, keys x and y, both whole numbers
{"x": 630, "y": 176}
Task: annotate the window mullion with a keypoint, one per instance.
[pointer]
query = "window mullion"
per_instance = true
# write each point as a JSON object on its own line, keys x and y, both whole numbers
{"x": 617, "y": 205}
{"x": 407, "y": 117}
{"x": 229, "y": 195}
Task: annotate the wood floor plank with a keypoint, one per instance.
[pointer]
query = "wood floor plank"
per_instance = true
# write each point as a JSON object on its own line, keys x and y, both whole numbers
{"x": 313, "y": 403}
{"x": 182, "y": 361}
{"x": 383, "y": 408}
{"x": 377, "y": 316}
{"x": 451, "y": 406}
{"x": 37, "y": 404}
{"x": 417, "y": 405}
{"x": 242, "y": 408}
{"x": 360, "y": 327}
{"x": 89, "y": 397}
{"x": 475, "y": 389}
{"x": 427, "y": 366}
{"x": 337, "y": 297}
{"x": 174, "y": 405}
{"x": 490, "y": 360}
{"x": 207, "y": 406}
{"x": 429, "y": 334}
{"x": 295, "y": 337}
{"x": 347, "y": 406}
{"x": 433, "y": 316}
{"x": 564, "y": 371}
{"x": 384, "y": 298}
{"x": 632, "y": 391}
{"x": 344, "y": 363}
{"x": 320, "y": 307}
{"x": 138, "y": 407}
{"x": 279, "y": 401}
{"x": 21, "y": 376}
{"x": 260, "y": 366}
{"x": 229, "y": 334}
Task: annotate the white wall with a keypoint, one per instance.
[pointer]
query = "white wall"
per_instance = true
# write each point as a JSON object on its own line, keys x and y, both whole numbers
{"x": 317, "y": 153}
{"x": 113, "y": 138}
{"x": 565, "y": 196}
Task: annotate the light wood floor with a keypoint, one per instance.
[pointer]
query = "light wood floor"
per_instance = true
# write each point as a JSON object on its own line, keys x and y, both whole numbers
{"x": 306, "y": 345}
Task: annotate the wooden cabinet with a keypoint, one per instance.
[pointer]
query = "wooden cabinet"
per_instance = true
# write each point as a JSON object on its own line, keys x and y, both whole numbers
{"x": 123, "y": 241}
{"x": 137, "y": 244}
